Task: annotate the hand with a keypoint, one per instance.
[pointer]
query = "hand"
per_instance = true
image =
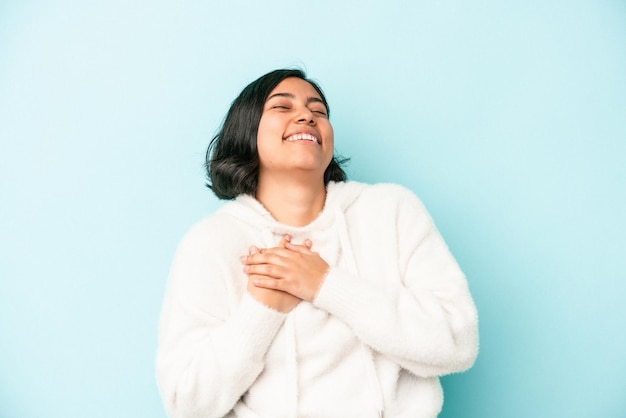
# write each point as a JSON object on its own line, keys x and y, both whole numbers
{"x": 275, "y": 299}
{"x": 290, "y": 268}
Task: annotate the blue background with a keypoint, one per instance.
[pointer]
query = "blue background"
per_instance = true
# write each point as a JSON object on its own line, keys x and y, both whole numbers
{"x": 507, "y": 118}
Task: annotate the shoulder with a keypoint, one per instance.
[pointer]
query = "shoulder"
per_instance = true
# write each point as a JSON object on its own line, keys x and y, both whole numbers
{"x": 388, "y": 207}
{"x": 213, "y": 230}
{"x": 385, "y": 196}
{"x": 390, "y": 191}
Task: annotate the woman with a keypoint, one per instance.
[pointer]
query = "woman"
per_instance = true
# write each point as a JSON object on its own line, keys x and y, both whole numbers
{"x": 307, "y": 296}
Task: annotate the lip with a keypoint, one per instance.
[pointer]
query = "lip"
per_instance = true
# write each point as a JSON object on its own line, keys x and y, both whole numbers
{"x": 310, "y": 132}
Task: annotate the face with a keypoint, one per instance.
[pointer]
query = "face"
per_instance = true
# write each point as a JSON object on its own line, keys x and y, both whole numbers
{"x": 294, "y": 132}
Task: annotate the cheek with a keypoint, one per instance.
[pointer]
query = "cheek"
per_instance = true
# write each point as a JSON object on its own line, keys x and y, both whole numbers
{"x": 265, "y": 131}
{"x": 266, "y": 140}
{"x": 263, "y": 128}
{"x": 330, "y": 136}
{"x": 270, "y": 128}
{"x": 263, "y": 148}
{"x": 329, "y": 149}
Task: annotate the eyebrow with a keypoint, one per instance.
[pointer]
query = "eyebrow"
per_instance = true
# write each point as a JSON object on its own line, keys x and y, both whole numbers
{"x": 291, "y": 96}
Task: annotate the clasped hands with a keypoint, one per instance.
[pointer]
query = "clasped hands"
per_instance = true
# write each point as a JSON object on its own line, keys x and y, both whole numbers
{"x": 282, "y": 276}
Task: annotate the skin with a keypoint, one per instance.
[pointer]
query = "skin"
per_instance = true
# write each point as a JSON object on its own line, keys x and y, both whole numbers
{"x": 291, "y": 187}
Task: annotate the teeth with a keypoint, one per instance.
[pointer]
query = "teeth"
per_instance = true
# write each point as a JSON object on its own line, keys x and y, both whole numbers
{"x": 301, "y": 137}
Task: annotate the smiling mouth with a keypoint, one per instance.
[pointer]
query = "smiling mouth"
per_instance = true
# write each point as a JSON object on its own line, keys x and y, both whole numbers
{"x": 303, "y": 137}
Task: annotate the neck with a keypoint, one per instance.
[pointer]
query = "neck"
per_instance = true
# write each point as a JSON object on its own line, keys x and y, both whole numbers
{"x": 292, "y": 201}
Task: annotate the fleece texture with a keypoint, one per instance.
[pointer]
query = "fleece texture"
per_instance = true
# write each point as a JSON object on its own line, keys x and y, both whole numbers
{"x": 393, "y": 314}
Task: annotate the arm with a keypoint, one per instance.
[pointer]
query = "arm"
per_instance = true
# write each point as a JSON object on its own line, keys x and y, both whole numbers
{"x": 425, "y": 319}
{"x": 209, "y": 356}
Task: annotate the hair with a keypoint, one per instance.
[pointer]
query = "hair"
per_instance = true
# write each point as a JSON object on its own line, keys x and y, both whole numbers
{"x": 232, "y": 159}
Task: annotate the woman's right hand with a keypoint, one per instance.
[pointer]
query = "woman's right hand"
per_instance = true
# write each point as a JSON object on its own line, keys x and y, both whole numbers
{"x": 276, "y": 299}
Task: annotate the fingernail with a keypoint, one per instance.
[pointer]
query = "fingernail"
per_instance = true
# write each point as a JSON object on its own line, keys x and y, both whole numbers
{"x": 243, "y": 258}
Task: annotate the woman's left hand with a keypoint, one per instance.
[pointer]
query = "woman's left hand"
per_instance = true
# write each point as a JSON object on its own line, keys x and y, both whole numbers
{"x": 293, "y": 269}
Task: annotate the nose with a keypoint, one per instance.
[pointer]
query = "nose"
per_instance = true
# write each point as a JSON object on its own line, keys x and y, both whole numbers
{"x": 309, "y": 121}
{"x": 305, "y": 116}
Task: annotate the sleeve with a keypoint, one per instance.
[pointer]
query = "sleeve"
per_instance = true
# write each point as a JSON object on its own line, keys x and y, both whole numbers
{"x": 207, "y": 356}
{"x": 421, "y": 315}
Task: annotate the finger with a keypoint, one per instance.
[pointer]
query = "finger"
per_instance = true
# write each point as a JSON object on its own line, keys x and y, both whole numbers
{"x": 268, "y": 255}
{"x": 270, "y": 270}
{"x": 267, "y": 282}
{"x": 251, "y": 251}
{"x": 284, "y": 240}
{"x": 303, "y": 249}
{"x": 308, "y": 243}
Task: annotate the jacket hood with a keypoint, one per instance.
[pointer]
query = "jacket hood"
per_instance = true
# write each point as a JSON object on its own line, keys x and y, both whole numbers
{"x": 339, "y": 196}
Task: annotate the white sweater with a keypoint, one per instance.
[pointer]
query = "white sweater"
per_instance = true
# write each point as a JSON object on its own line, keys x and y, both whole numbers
{"x": 393, "y": 314}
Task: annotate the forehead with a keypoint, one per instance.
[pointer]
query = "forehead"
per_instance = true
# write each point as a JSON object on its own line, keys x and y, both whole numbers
{"x": 295, "y": 86}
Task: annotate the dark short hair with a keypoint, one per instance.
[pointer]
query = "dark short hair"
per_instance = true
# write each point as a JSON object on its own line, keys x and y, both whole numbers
{"x": 232, "y": 160}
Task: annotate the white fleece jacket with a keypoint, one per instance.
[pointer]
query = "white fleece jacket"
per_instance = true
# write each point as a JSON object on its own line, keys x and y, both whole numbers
{"x": 393, "y": 314}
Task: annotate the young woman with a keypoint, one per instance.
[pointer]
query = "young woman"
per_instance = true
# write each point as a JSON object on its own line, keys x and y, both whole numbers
{"x": 306, "y": 295}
